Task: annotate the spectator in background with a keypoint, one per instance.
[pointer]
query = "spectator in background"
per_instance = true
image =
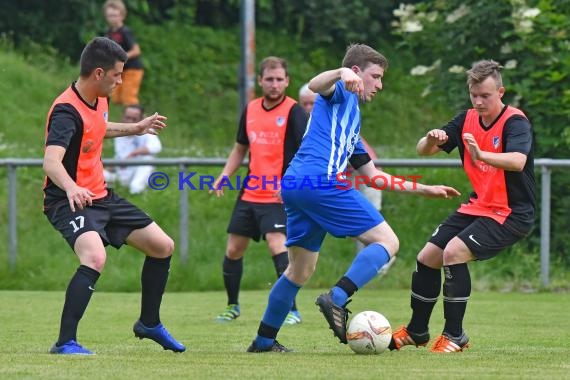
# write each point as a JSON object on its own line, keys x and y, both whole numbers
{"x": 127, "y": 93}
{"x": 307, "y": 98}
{"x": 134, "y": 147}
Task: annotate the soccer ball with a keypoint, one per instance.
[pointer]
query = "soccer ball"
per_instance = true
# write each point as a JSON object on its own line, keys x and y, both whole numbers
{"x": 369, "y": 333}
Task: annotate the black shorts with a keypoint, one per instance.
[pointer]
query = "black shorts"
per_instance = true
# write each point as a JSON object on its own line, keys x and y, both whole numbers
{"x": 112, "y": 217}
{"x": 254, "y": 220}
{"x": 483, "y": 236}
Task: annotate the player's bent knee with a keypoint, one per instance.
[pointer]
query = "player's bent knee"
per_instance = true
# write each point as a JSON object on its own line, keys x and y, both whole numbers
{"x": 94, "y": 261}
{"x": 168, "y": 248}
{"x": 171, "y": 247}
{"x": 276, "y": 249}
{"x": 391, "y": 245}
{"x": 235, "y": 252}
{"x": 395, "y": 249}
{"x": 161, "y": 249}
{"x": 299, "y": 275}
{"x": 454, "y": 256}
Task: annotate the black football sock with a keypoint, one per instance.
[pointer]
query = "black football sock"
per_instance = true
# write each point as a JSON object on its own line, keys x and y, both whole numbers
{"x": 77, "y": 298}
{"x": 153, "y": 282}
{"x": 267, "y": 332}
{"x": 281, "y": 261}
{"x": 456, "y": 292}
{"x": 232, "y": 270}
{"x": 347, "y": 286}
{"x": 426, "y": 286}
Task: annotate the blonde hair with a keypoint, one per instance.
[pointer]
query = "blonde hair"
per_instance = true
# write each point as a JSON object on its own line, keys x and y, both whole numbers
{"x": 272, "y": 62}
{"x": 484, "y": 69}
{"x": 116, "y": 4}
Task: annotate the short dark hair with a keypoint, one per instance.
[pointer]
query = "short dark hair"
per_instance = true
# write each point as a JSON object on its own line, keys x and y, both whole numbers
{"x": 273, "y": 63}
{"x": 363, "y": 55}
{"x": 484, "y": 69}
{"x": 100, "y": 52}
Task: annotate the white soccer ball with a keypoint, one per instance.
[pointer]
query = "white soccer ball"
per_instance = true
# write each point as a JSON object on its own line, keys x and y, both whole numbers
{"x": 369, "y": 333}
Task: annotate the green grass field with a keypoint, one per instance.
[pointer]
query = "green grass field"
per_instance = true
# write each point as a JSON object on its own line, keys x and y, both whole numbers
{"x": 513, "y": 336}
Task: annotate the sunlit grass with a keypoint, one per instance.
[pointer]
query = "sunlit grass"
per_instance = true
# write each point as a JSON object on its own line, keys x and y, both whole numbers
{"x": 513, "y": 336}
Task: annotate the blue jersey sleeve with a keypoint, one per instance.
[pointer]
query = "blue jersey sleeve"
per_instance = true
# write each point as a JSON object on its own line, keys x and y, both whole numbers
{"x": 359, "y": 148}
{"x": 339, "y": 94}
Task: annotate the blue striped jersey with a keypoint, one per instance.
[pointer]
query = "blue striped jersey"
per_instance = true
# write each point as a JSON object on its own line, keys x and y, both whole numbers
{"x": 331, "y": 137}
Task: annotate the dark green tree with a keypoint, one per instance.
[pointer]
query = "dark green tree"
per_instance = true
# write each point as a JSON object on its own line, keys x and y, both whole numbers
{"x": 531, "y": 39}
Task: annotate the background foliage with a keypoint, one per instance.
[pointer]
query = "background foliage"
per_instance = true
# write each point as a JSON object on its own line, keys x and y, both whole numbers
{"x": 531, "y": 39}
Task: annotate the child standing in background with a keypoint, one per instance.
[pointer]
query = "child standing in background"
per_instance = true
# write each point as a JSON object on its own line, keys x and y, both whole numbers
{"x": 127, "y": 93}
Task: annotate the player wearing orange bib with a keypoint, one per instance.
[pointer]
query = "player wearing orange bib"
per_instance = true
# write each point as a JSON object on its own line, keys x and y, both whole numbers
{"x": 90, "y": 216}
{"x": 271, "y": 128}
{"x": 495, "y": 144}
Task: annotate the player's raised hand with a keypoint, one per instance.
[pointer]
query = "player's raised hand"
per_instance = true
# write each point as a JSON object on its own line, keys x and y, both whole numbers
{"x": 436, "y": 137}
{"x": 152, "y": 124}
{"x": 472, "y": 147}
{"x": 352, "y": 82}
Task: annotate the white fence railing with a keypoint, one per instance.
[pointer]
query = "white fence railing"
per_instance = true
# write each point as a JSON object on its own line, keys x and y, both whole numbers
{"x": 545, "y": 166}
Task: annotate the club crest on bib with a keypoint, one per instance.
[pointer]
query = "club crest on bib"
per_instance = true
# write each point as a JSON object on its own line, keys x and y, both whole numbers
{"x": 496, "y": 141}
{"x": 85, "y": 148}
{"x": 280, "y": 121}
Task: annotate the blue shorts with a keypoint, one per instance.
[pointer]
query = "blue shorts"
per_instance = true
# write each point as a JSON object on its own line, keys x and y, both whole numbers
{"x": 311, "y": 213}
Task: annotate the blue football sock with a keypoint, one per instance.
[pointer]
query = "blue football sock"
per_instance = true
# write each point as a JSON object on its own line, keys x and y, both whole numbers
{"x": 363, "y": 269}
{"x": 339, "y": 296}
{"x": 262, "y": 342}
{"x": 367, "y": 264}
{"x": 279, "y": 304}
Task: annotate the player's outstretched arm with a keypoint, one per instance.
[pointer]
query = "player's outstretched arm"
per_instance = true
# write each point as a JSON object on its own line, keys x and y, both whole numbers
{"x": 149, "y": 125}
{"x": 232, "y": 164}
{"x": 438, "y": 191}
{"x": 381, "y": 180}
{"x": 324, "y": 83}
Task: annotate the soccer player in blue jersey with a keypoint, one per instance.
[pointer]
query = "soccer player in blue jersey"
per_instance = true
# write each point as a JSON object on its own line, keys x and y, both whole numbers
{"x": 318, "y": 201}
